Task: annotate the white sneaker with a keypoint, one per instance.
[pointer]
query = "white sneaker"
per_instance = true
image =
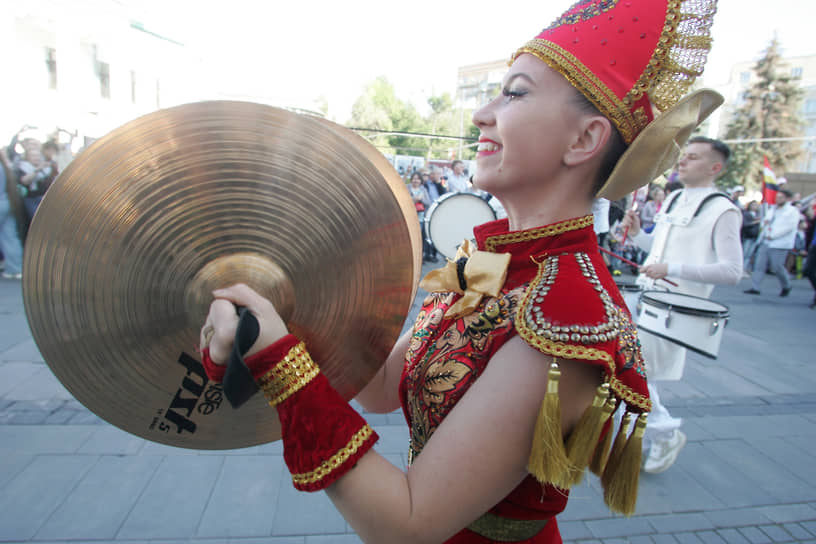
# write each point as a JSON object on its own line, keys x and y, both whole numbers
{"x": 12, "y": 276}
{"x": 663, "y": 454}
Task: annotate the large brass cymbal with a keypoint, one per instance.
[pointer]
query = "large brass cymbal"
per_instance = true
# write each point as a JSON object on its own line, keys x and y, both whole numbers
{"x": 130, "y": 240}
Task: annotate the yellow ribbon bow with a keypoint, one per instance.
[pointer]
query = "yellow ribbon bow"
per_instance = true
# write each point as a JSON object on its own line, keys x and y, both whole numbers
{"x": 484, "y": 274}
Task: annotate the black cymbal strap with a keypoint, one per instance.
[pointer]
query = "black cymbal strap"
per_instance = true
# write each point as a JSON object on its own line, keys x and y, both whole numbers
{"x": 238, "y": 383}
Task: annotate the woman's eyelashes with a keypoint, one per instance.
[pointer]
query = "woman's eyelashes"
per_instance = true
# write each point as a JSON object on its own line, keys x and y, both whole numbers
{"x": 513, "y": 93}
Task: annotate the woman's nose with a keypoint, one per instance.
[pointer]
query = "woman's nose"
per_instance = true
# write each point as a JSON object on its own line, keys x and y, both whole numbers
{"x": 483, "y": 116}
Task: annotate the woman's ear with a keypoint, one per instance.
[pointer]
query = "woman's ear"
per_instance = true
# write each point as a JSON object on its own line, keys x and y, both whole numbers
{"x": 590, "y": 141}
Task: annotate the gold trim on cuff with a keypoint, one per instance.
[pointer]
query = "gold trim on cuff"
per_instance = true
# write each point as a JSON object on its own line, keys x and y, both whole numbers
{"x": 289, "y": 376}
{"x": 336, "y": 460}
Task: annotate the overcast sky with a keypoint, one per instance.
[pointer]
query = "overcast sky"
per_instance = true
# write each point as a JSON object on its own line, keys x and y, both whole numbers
{"x": 296, "y": 51}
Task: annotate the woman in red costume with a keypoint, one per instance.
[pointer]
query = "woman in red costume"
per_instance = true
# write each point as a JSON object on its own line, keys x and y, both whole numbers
{"x": 524, "y": 347}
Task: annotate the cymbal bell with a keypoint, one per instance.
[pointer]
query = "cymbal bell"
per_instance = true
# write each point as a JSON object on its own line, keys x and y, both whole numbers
{"x": 133, "y": 236}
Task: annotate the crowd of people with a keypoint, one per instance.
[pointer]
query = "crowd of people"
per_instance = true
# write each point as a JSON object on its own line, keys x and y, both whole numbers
{"x": 427, "y": 185}
{"x": 778, "y": 238}
{"x": 28, "y": 168}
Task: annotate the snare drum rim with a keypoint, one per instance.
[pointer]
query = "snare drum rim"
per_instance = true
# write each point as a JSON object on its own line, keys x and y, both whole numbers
{"x": 687, "y": 310}
{"x": 695, "y": 349}
{"x": 628, "y": 287}
{"x": 446, "y": 196}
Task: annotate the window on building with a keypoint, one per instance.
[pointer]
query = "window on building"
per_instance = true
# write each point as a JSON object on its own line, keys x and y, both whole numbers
{"x": 51, "y": 65}
{"x": 810, "y": 105}
{"x": 133, "y": 86}
{"x": 796, "y": 71}
{"x": 745, "y": 77}
{"x": 103, "y": 69}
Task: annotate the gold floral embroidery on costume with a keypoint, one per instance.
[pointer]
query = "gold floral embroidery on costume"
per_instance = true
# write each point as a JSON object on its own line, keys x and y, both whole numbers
{"x": 438, "y": 373}
{"x": 428, "y": 319}
{"x": 441, "y": 377}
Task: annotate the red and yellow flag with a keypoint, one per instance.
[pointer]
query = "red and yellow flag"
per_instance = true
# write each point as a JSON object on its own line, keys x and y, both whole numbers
{"x": 770, "y": 186}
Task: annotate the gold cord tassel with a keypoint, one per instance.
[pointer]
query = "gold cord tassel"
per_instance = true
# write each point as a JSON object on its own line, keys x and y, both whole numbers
{"x": 617, "y": 451}
{"x": 548, "y": 458}
{"x": 621, "y": 487}
{"x": 602, "y": 450}
{"x": 584, "y": 437}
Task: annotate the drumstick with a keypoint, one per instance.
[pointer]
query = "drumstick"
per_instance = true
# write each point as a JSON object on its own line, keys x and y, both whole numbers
{"x": 631, "y": 263}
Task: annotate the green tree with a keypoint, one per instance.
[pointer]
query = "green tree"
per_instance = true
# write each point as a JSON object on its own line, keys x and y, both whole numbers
{"x": 769, "y": 109}
{"x": 379, "y": 108}
{"x": 443, "y": 120}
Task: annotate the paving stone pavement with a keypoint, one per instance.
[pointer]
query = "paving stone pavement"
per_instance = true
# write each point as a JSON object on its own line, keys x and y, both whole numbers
{"x": 746, "y": 476}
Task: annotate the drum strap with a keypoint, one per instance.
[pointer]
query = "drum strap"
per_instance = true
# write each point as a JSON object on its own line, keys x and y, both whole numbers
{"x": 660, "y": 245}
{"x": 703, "y": 202}
{"x": 673, "y": 201}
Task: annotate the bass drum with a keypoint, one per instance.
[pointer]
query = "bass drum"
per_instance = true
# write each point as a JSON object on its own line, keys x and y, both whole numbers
{"x": 451, "y": 219}
{"x": 692, "y": 322}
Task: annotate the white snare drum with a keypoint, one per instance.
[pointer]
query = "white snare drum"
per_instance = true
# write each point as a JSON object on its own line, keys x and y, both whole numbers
{"x": 451, "y": 219}
{"x": 630, "y": 292}
{"x": 692, "y": 322}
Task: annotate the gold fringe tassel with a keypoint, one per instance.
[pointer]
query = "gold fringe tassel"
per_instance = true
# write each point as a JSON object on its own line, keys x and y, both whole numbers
{"x": 617, "y": 450}
{"x": 620, "y": 479}
{"x": 548, "y": 458}
{"x": 584, "y": 438}
{"x": 601, "y": 454}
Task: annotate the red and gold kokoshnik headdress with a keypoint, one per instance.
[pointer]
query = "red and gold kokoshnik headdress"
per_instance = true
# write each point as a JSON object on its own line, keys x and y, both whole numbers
{"x": 635, "y": 60}
{"x": 624, "y": 54}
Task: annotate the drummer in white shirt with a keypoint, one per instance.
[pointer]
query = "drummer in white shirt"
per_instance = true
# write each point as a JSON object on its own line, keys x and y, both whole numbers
{"x": 696, "y": 244}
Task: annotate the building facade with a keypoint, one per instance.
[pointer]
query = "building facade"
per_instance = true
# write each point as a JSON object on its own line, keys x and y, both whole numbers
{"x": 85, "y": 68}
{"x": 478, "y": 84}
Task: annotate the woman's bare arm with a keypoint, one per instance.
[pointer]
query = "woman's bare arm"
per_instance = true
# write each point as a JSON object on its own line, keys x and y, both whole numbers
{"x": 381, "y": 395}
{"x": 474, "y": 459}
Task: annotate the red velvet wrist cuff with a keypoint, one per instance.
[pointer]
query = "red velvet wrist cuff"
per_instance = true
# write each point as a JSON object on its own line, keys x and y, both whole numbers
{"x": 323, "y": 436}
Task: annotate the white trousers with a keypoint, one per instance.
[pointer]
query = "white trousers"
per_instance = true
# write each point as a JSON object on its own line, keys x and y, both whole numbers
{"x": 660, "y": 425}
